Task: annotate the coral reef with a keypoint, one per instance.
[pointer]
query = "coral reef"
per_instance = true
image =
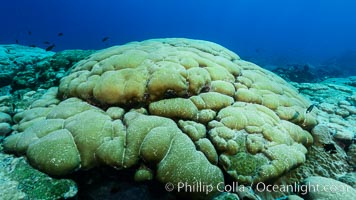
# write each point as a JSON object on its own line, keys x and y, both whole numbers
{"x": 306, "y": 73}
{"x": 20, "y": 61}
{"x": 5, "y": 121}
{"x": 27, "y": 67}
{"x": 15, "y": 56}
{"x": 333, "y": 152}
{"x": 185, "y": 109}
{"x": 20, "y": 181}
{"x": 336, "y": 102}
{"x": 296, "y": 73}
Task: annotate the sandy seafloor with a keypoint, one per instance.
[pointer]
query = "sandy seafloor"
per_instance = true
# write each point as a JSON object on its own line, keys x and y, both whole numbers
{"x": 26, "y": 70}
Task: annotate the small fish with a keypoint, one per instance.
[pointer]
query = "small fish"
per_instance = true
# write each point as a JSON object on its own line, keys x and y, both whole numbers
{"x": 46, "y": 42}
{"x": 29, "y": 33}
{"x": 330, "y": 148}
{"x": 32, "y": 45}
{"x": 13, "y": 107}
{"x": 17, "y": 41}
{"x": 105, "y": 39}
{"x": 310, "y": 108}
{"x": 49, "y": 48}
{"x": 60, "y": 34}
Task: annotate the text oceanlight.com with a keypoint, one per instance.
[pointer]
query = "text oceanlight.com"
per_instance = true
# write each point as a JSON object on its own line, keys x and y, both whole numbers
{"x": 260, "y": 187}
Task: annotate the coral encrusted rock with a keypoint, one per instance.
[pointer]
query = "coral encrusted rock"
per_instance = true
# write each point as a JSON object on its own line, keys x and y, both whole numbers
{"x": 187, "y": 109}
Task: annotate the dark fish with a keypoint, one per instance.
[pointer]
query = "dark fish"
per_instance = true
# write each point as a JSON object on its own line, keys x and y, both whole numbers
{"x": 17, "y": 41}
{"x": 310, "y": 108}
{"x": 46, "y": 42}
{"x": 29, "y": 33}
{"x": 60, "y": 34}
{"x": 32, "y": 45}
{"x": 105, "y": 39}
{"x": 49, "y": 48}
{"x": 13, "y": 107}
{"x": 330, "y": 148}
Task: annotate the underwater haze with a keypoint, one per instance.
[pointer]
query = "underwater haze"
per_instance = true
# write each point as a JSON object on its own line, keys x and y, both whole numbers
{"x": 271, "y": 33}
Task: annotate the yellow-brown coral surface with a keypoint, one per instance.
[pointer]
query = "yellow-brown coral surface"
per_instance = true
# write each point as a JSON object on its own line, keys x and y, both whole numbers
{"x": 188, "y": 108}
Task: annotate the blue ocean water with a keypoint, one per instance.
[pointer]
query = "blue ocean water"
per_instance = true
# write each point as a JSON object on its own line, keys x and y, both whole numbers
{"x": 270, "y": 33}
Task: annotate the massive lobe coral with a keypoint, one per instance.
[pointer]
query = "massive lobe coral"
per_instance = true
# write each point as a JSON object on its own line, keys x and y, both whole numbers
{"x": 186, "y": 108}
